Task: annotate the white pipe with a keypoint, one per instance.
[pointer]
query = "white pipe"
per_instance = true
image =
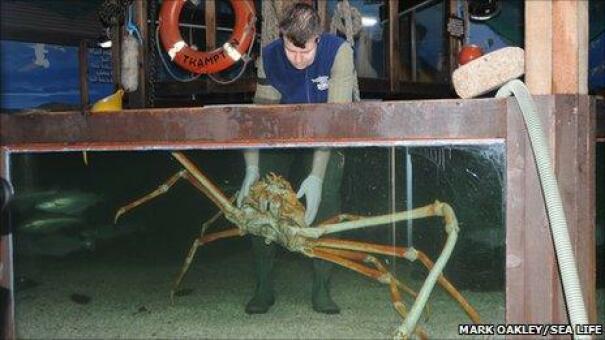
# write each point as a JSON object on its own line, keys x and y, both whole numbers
{"x": 554, "y": 205}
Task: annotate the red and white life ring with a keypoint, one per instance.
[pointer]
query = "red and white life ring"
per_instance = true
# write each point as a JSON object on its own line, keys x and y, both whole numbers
{"x": 201, "y": 62}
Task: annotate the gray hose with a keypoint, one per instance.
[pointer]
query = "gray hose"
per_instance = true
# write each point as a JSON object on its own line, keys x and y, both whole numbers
{"x": 554, "y": 205}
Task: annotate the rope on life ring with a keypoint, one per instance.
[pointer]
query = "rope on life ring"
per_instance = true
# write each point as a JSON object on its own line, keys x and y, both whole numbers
{"x": 202, "y": 62}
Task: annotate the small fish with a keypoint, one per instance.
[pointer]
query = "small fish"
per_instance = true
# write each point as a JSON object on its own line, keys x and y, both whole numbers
{"x": 69, "y": 202}
{"x": 48, "y": 224}
{"x": 24, "y": 201}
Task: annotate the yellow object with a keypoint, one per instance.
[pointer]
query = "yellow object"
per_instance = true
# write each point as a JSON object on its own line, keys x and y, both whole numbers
{"x": 112, "y": 102}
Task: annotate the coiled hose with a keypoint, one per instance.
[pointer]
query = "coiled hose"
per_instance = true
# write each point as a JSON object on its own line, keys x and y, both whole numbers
{"x": 554, "y": 205}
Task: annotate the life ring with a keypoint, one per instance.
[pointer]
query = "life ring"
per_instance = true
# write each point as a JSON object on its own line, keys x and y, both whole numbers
{"x": 201, "y": 62}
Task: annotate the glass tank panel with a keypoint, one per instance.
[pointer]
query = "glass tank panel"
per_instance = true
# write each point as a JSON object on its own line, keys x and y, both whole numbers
{"x": 78, "y": 274}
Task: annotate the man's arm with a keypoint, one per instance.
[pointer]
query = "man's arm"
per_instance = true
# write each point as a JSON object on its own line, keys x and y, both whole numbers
{"x": 340, "y": 90}
{"x": 265, "y": 94}
{"x": 342, "y": 76}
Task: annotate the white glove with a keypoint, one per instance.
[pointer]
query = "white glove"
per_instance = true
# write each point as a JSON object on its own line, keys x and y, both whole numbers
{"x": 251, "y": 177}
{"x": 311, "y": 189}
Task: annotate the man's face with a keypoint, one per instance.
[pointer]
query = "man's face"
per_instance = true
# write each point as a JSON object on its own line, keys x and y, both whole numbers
{"x": 301, "y": 58}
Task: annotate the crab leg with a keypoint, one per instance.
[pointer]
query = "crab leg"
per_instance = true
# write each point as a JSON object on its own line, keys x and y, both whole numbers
{"x": 402, "y": 252}
{"x": 200, "y": 241}
{"x": 211, "y": 190}
{"x": 362, "y": 257}
{"x": 162, "y": 189}
{"x": 348, "y": 259}
{"x": 203, "y": 239}
{"x": 435, "y": 209}
{"x": 338, "y": 219}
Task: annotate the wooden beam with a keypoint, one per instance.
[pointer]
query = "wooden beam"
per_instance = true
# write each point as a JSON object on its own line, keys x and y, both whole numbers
{"x": 116, "y": 53}
{"x": 556, "y": 42}
{"x": 556, "y": 46}
{"x": 210, "y": 21}
{"x": 575, "y": 170}
{"x": 138, "y": 98}
{"x": 258, "y": 126}
{"x": 532, "y": 271}
{"x": 394, "y": 62}
{"x": 451, "y": 44}
{"x": 83, "y": 68}
{"x": 570, "y": 46}
{"x": 538, "y": 46}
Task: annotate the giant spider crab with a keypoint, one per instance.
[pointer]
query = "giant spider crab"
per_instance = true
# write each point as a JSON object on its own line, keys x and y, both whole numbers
{"x": 272, "y": 211}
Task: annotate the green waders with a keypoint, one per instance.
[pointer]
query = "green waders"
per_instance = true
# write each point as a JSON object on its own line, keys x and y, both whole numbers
{"x": 280, "y": 162}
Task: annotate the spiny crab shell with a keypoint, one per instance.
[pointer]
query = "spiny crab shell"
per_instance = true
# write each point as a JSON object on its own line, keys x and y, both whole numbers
{"x": 271, "y": 210}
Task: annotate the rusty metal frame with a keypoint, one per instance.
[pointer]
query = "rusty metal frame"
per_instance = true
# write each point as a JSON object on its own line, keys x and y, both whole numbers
{"x": 241, "y": 126}
{"x": 570, "y": 121}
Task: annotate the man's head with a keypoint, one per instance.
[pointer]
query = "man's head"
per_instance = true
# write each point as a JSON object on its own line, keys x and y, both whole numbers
{"x": 300, "y": 28}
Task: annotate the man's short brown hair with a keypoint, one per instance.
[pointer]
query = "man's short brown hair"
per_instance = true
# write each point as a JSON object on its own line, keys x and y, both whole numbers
{"x": 299, "y": 24}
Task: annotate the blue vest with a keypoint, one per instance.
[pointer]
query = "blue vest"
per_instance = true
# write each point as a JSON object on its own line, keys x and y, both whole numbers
{"x": 301, "y": 86}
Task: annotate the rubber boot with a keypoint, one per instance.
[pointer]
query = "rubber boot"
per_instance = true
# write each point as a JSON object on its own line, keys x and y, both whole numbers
{"x": 264, "y": 256}
{"x": 320, "y": 295}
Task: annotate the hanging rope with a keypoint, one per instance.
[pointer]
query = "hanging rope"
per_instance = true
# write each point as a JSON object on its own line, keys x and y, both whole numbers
{"x": 270, "y": 26}
{"x": 346, "y": 19}
{"x": 351, "y": 17}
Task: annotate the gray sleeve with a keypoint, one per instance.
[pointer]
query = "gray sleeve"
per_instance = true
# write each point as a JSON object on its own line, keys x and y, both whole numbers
{"x": 342, "y": 75}
{"x": 265, "y": 93}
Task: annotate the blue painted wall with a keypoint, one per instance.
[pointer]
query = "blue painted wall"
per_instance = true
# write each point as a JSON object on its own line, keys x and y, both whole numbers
{"x": 37, "y": 74}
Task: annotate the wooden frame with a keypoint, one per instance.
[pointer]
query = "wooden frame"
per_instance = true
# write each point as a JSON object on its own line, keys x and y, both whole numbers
{"x": 530, "y": 269}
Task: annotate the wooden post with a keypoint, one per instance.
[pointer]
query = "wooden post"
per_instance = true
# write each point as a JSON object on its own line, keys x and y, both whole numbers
{"x": 452, "y": 44}
{"x": 83, "y": 67}
{"x": 116, "y": 53}
{"x": 538, "y": 46}
{"x": 138, "y": 98}
{"x": 570, "y": 46}
{"x": 210, "y": 21}
{"x": 394, "y": 61}
{"x": 555, "y": 44}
